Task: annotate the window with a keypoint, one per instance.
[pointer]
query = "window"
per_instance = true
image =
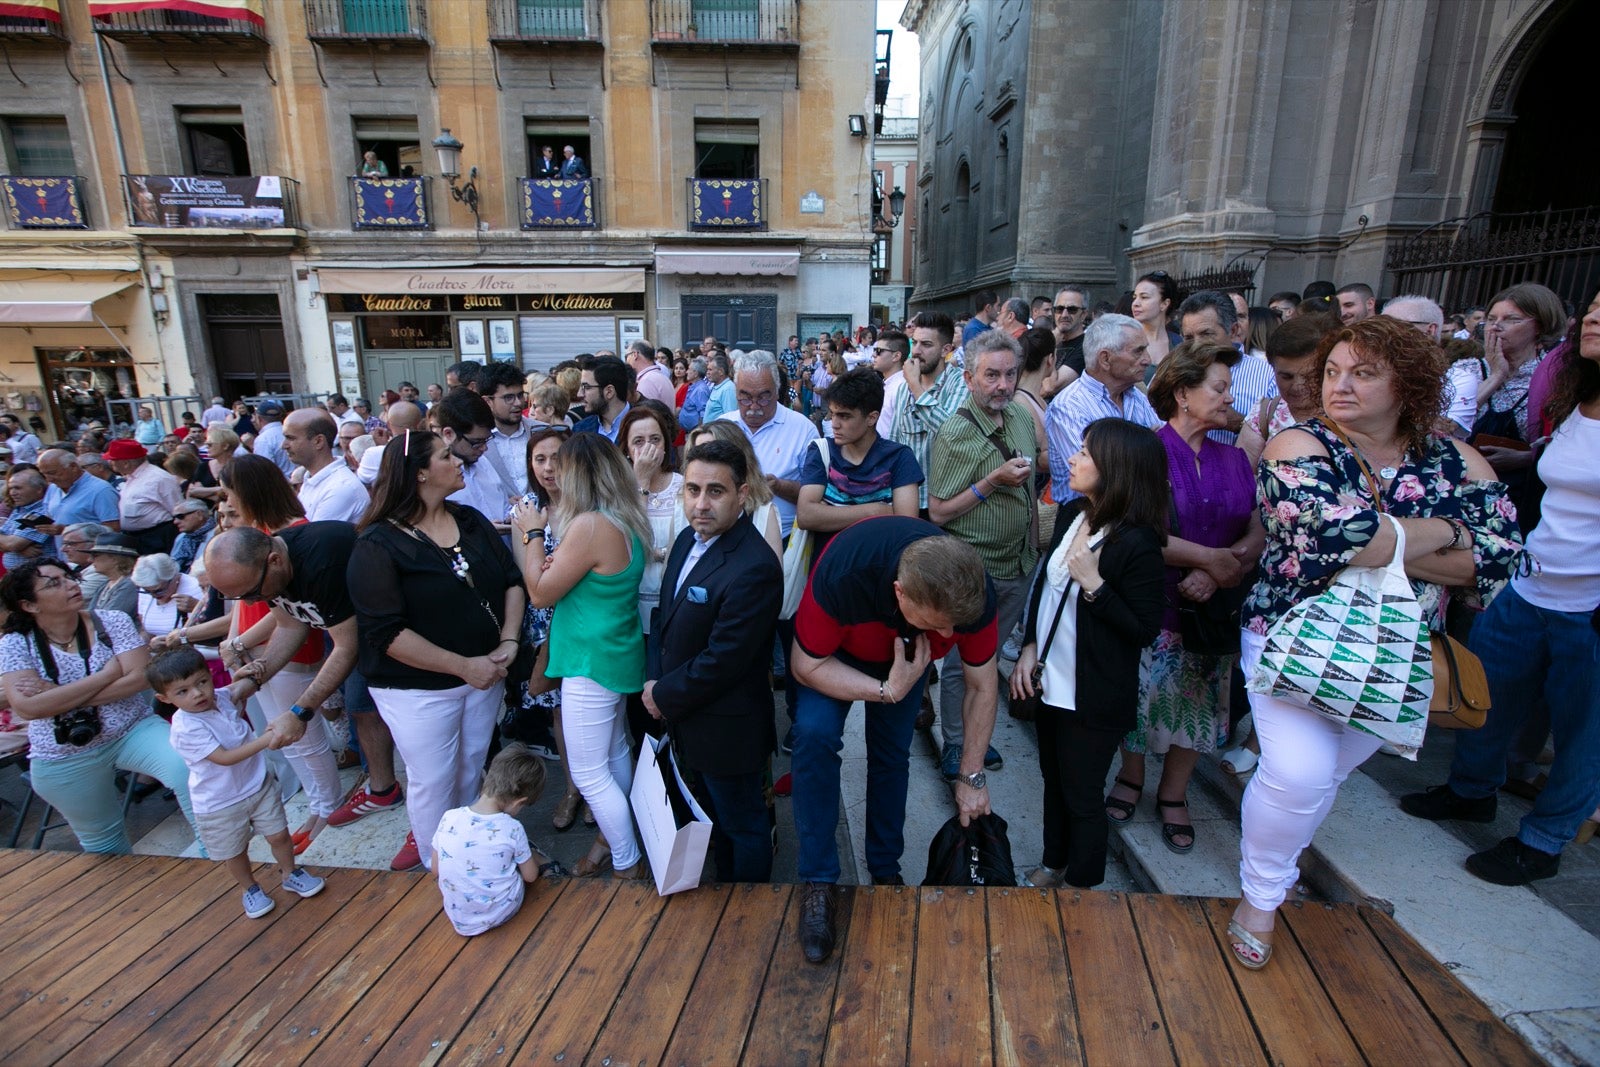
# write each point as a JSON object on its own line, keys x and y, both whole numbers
{"x": 880, "y": 259}
{"x": 556, "y": 135}
{"x": 38, "y": 147}
{"x": 726, "y": 20}
{"x": 394, "y": 140}
{"x": 551, "y": 18}
{"x": 727, "y": 149}
{"x": 215, "y": 141}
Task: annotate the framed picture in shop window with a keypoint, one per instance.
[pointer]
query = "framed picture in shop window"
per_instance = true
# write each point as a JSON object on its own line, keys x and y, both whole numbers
{"x": 469, "y": 333}
{"x": 503, "y": 340}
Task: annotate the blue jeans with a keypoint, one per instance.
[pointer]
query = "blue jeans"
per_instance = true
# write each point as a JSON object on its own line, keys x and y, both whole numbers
{"x": 818, "y": 740}
{"x": 83, "y": 789}
{"x": 1531, "y": 653}
{"x": 741, "y": 832}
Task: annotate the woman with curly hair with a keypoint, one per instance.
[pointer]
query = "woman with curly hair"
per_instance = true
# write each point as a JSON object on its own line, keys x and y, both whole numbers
{"x": 1382, "y": 382}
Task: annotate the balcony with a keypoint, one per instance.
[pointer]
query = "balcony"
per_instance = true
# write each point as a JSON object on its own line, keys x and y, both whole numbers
{"x": 170, "y": 26}
{"x": 764, "y": 24}
{"x": 559, "y": 204}
{"x": 53, "y": 203}
{"x": 394, "y": 21}
{"x": 391, "y": 203}
{"x": 194, "y": 204}
{"x": 727, "y": 204}
{"x": 546, "y": 22}
{"x": 45, "y": 27}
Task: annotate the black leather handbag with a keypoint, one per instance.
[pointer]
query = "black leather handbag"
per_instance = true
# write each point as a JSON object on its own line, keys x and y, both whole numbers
{"x": 977, "y": 854}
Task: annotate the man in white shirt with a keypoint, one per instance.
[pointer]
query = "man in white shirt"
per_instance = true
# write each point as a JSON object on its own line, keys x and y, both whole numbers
{"x": 217, "y": 412}
{"x": 889, "y": 359}
{"x": 778, "y": 434}
{"x": 269, "y": 436}
{"x": 149, "y": 496}
{"x": 465, "y": 422}
{"x": 339, "y": 408}
{"x": 24, "y": 445}
{"x": 504, "y": 388}
{"x": 652, "y": 381}
{"x": 330, "y": 489}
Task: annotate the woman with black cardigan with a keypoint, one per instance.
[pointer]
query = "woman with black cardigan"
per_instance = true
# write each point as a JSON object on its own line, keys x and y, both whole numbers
{"x": 1095, "y": 605}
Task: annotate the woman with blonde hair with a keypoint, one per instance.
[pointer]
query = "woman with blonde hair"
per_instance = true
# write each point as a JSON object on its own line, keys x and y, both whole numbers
{"x": 596, "y": 643}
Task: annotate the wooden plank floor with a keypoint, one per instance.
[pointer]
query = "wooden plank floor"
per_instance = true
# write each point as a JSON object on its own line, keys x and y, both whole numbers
{"x": 151, "y": 960}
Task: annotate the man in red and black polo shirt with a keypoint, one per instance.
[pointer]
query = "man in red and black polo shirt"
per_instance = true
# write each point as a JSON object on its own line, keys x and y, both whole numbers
{"x": 887, "y": 596}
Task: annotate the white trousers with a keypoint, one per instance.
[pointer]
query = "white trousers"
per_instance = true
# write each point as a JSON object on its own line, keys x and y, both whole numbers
{"x": 595, "y": 724}
{"x": 1304, "y": 760}
{"x": 443, "y": 736}
{"x": 312, "y": 756}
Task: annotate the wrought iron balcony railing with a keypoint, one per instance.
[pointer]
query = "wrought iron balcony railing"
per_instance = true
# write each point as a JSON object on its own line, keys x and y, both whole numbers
{"x": 367, "y": 20}
{"x": 544, "y": 20}
{"x": 169, "y": 24}
{"x": 30, "y": 28}
{"x": 733, "y": 21}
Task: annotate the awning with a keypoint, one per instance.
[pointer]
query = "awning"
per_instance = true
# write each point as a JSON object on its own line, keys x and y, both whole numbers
{"x": 723, "y": 260}
{"x": 53, "y": 301}
{"x": 466, "y": 282}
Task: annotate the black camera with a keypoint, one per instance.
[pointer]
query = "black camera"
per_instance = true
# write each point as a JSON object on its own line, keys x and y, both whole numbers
{"x": 78, "y": 726}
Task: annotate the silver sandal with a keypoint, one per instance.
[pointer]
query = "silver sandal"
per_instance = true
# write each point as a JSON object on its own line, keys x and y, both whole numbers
{"x": 1251, "y": 952}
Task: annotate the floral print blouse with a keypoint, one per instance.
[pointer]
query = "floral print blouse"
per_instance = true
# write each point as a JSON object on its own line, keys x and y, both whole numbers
{"x": 1319, "y": 513}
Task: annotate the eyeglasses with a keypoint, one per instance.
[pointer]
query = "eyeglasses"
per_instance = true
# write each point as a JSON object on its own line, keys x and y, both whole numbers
{"x": 255, "y": 590}
{"x": 156, "y": 590}
{"x": 476, "y": 442}
{"x": 57, "y": 583}
{"x": 757, "y": 399}
{"x": 1068, "y": 309}
{"x": 584, "y": 387}
{"x": 510, "y": 396}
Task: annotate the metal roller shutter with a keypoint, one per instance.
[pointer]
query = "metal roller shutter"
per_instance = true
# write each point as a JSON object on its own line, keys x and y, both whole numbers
{"x": 549, "y": 339}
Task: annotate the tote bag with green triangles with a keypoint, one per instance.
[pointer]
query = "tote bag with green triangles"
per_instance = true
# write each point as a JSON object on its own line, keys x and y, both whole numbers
{"x": 1358, "y": 654}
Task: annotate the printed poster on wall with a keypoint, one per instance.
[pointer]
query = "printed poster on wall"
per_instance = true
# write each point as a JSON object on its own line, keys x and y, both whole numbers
{"x": 503, "y": 340}
{"x": 177, "y": 201}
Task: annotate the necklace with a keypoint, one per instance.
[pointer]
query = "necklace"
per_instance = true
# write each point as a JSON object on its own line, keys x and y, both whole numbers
{"x": 1388, "y": 472}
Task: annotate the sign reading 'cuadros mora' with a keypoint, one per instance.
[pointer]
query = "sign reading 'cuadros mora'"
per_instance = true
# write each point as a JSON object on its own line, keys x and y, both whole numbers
{"x": 464, "y": 282}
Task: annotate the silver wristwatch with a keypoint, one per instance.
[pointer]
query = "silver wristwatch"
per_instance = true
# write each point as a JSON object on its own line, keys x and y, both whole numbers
{"x": 974, "y": 781}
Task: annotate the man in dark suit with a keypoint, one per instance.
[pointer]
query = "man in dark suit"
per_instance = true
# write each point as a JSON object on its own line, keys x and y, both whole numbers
{"x": 547, "y": 167}
{"x": 707, "y": 662}
{"x": 572, "y": 165}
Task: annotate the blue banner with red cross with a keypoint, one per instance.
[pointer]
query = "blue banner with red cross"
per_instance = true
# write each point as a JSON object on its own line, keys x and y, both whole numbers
{"x": 44, "y": 203}
{"x": 557, "y": 203}
{"x": 391, "y": 204}
{"x": 726, "y": 203}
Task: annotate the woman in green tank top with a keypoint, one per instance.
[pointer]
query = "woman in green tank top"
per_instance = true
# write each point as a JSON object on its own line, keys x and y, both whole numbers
{"x": 596, "y": 645}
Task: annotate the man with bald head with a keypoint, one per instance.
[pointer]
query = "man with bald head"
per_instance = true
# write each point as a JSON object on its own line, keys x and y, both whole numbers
{"x": 330, "y": 489}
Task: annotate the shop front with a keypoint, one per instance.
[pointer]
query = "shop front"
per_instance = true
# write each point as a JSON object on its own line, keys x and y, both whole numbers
{"x": 389, "y": 325}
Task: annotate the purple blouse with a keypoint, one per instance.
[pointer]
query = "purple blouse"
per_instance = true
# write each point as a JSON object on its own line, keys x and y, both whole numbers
{"x": 1211, "y": 503}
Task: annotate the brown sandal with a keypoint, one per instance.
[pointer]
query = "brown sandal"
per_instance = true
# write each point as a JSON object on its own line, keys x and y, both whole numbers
{"x": 566, "y": 812}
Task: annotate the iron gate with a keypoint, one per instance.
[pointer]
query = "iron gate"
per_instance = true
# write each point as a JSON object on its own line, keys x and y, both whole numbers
{"x": 1462, "y": 263}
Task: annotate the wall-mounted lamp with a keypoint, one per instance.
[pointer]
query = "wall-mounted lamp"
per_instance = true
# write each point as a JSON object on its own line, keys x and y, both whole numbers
{"x": 449, "y": 149}
{"x": 156, "y": 278}
{"x": 858, "y": 125}
{"x": 897, "y": 205}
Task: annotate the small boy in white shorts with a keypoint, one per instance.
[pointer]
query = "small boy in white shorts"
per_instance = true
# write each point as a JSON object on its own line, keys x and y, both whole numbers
{"x": 481, "y": 854}
{"x": 233, "y": 792}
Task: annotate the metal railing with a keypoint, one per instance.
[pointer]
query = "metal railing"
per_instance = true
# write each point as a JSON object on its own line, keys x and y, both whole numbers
{"x": 191, "y": 202}
{"x": 25, "y": 28}
{"x": 159, "y": 24}
{"x": 541, "y": 20}
{"x": 44, "y": 203}
{"x": 391, "y": 203}
{"x": 1463, "y": 262}
{"x": 366, "y": 20}
{"x": 727, "y": 203}
{"x": 1241, "y": 280}
{"x": 752, "y": 21}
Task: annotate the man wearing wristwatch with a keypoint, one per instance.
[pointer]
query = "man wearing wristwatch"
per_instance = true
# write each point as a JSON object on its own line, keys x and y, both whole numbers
{"x": 886, "y": 597}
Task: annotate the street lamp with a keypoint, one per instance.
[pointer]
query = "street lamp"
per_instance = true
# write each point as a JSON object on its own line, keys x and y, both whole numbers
{"x": 897, "y": 205}
{"x": 449, "y": 149}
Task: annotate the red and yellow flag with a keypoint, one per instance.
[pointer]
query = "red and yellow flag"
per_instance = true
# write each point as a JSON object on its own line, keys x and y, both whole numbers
{"x": 43, "y": 10}
{"x": 247, "y": 10}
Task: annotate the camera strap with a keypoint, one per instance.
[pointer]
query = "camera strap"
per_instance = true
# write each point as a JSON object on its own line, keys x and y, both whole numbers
{"x": 47, "y": 659}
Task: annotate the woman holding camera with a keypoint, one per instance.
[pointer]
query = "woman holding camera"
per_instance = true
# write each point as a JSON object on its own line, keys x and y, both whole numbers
{"x": 77, "y": 677}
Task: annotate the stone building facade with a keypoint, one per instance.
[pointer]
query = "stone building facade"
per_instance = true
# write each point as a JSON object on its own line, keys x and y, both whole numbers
{"x": 1092, "y": 141}
{"x": 725, "y": 191}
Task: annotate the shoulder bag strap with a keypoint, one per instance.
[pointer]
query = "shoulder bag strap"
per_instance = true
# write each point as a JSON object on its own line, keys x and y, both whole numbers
{"x": 1373, "y": 485}
{"x": 1055, "y": 624}
{"x": 1006, "y": 455}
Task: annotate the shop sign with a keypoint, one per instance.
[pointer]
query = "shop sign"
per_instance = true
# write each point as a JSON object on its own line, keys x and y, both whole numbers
{"x": 405, "y": 331}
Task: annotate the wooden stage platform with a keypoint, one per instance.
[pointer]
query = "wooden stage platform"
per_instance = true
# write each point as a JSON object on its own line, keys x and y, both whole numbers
{"x": 145, "y": 960}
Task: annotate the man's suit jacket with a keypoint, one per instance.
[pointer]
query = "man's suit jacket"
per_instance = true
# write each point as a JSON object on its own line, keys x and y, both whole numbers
{"x": 574, "y": 168}
{"x": 547, "y": 168}
{"x": 709, "y": 649}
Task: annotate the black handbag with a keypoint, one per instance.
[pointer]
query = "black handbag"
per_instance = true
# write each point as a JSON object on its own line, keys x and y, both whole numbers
{"x": 1211, "y": 627}
{"x": 977, "y": 854}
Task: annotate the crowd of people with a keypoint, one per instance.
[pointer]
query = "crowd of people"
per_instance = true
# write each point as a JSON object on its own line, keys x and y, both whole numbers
{"x": 1125, "y": 501}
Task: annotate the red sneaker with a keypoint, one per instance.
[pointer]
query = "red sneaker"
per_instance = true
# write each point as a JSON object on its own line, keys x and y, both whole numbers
{"x": 362, "y": 803}
{"x": 408, "y": 858}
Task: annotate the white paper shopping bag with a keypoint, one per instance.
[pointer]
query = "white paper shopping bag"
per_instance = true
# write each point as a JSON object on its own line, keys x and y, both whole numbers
{"x": 676, "y": 848}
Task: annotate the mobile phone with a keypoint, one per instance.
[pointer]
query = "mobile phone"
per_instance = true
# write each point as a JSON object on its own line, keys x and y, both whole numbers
{"x": 31, "y": 521}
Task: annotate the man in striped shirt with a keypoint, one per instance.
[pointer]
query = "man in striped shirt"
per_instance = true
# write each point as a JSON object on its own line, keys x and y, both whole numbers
{"x": 934, "y": 389}
{"x": 1115, "y": 355}
{"x": 1211, "y": 317}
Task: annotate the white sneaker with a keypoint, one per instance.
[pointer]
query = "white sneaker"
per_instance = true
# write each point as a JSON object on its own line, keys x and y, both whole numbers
{"x": 303, "y": 883}
{"x": 256, "y": 902}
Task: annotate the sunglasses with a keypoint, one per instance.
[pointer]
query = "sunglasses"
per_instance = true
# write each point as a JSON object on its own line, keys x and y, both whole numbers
{"x": 255, "y": 591}
{"x": 1068, "y": 309}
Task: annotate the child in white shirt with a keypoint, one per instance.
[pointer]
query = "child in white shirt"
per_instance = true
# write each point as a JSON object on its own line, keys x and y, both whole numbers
{"x": 480, "y": 852}
{"x": 233, "y": 792}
